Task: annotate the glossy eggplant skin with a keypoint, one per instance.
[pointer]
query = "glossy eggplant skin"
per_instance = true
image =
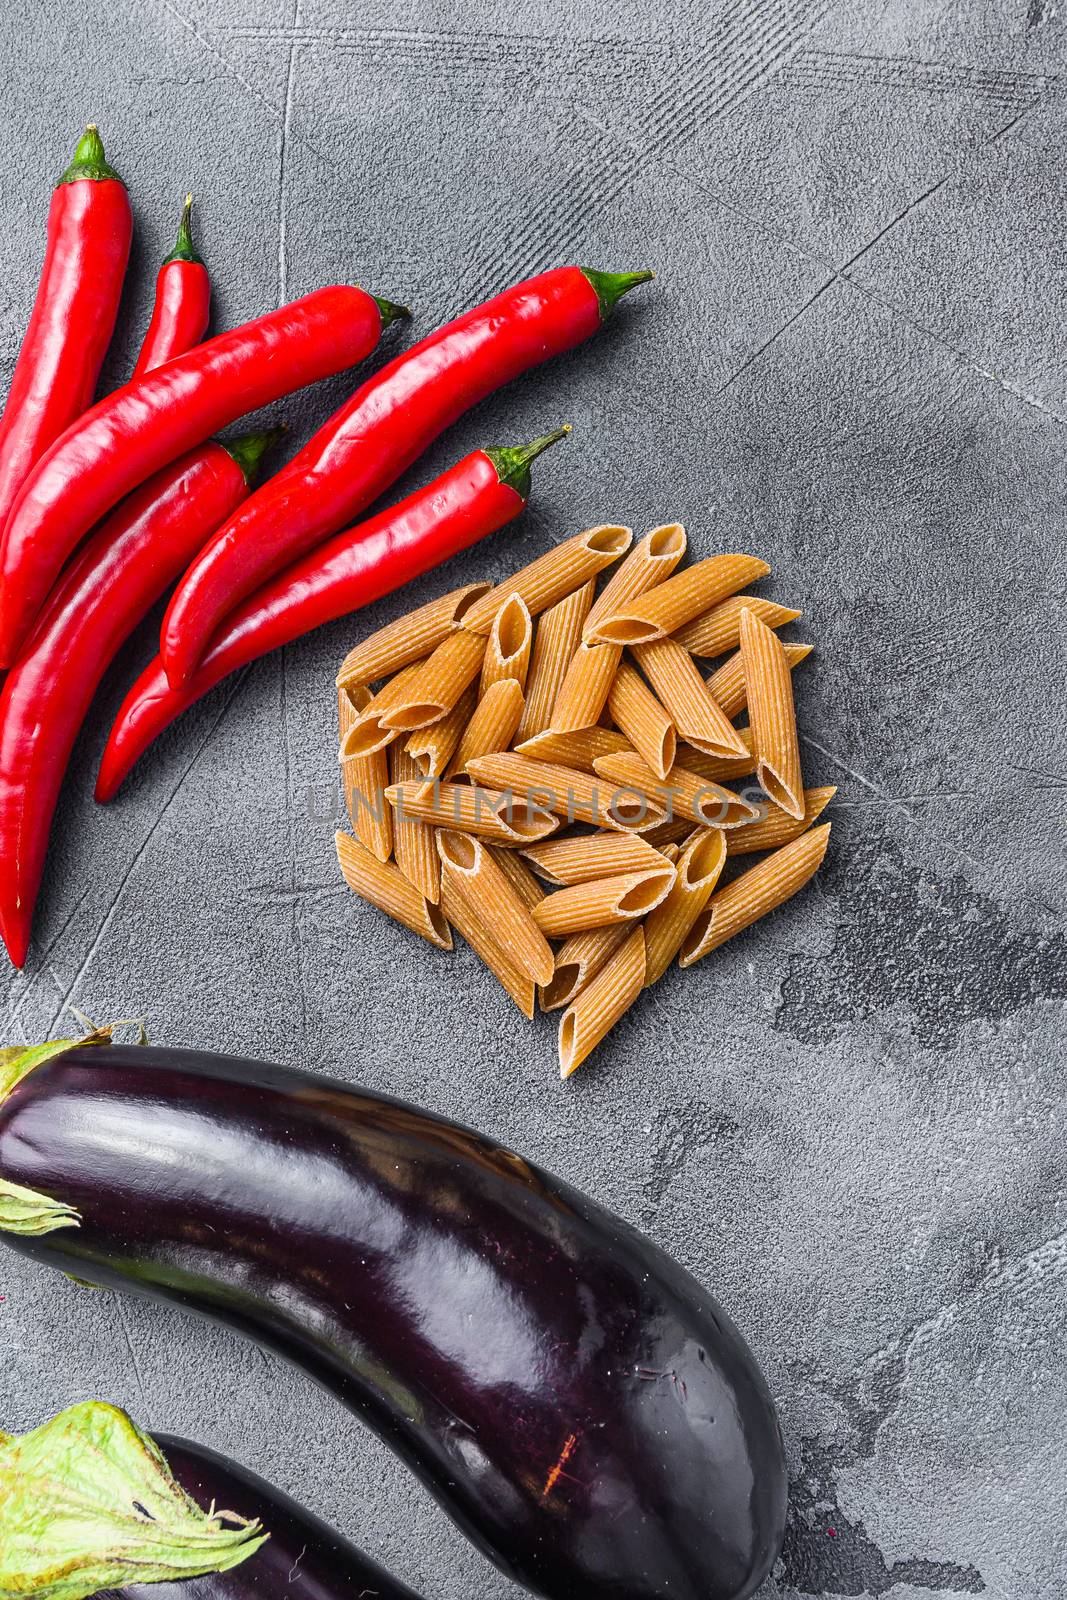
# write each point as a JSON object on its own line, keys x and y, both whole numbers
{"x": 302, "y": 1556}
{"x": 578, "y": 1404}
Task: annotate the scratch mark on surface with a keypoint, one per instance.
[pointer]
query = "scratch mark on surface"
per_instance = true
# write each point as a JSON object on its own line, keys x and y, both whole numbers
{"x": 133, "y": 1353}
{"x": 16, "y": 1012}
{"x": 819, "y": 68}
{"x": 557, "y": 1471}
{"x": 297, "y": 899}
{"x": 283, "y": 142}
{"x": 775, "y": 336}
{"x": 295, "y": 1568}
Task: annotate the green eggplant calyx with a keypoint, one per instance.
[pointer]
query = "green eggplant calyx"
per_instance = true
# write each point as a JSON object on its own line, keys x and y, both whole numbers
{"x": 89, "y": 160}
{"x": 512, "y": 463}
{"x": 184, "y": 248}
{"x": 611, "y": 286}
{"x": 18, "y": 1061}
{"x": 30, "y": 1214}
{"x": 88, "y": 1502}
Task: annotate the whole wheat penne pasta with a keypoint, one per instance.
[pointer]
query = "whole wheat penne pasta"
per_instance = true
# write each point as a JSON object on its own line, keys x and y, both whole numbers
{"x": 777, "y": 827}
{"x": 719, "y": 629}
{"x": 407, "y": 639}
{"x": 507, "y": 652}
{"x": 433, "y": 747}
{"x": 688, "y": 701}
{"x": 491, "y": 726}
{"x": 638, "y": 714}
{"x": 772, "y": 714}
{"x": 561, "y": 570}
{"x": 368, "y": 732}
{"x": 365, "y": 779}
{"x": 438, "y": 683}
{"x": 471, "y": 928}
{"x": 489, "y": 893}
{"x": 584, "y": 691}
{"x": 652, "y": 559}
{"x": 681, "y": 793}
{"x": 506, "y": 818}
{"x": 673, "y": 603}
{"x": 414, "y": 844}
{"x": 526, "y": 884}
{"x": 622, "y": 898}
{"x": 384, "y": 886}
{"x": 671, "y": 852}
{"x": 579, "y": 959}
{"x": 565, "y": 792}
{"x": 593, "y": 855}
{"x": 556, "y": 638}
{"x": 666, "y": 834}
{"x": 601, "y": 1003}
{"x": 578, "y": 750}
{"x": 727, "y": 683}
{"x": 764, "y": 887}
{"x": 719, "y": 767}
{"x": 698, "y": 869}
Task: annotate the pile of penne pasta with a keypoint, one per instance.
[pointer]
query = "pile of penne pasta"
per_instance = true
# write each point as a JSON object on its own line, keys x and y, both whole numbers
{"x": 547, "y": 771}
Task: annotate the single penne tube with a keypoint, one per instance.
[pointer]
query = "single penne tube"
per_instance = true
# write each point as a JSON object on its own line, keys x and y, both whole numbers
{"x": 558, "y": 572}
{"x": 680, "y": 793}
{"x": 407, "y": 639}
{"x": 523, "y": 880}
{"x": 764, "y": 887}
{"x": 578, "y": 961}
{"x": 667, "y": 834}
{"x": 671, "y": 852}
{"x": 599, "y": 1006}
{"x": 566, "y": 792}
{"x": 382, "y": 884}
{"x": 368, "y": 733}
{"x": 719, "y": 629}
{"x": 414, "y": 844}
{"x": 471, "y": 928}
{"x": 772, "y": 714}
{"x": 558, "y": 632}
{"x": 491, "y": 726}
{"x": 507, "y": 652}
{"x": 720, "y": 767}
{"x": 433, "y": 747}
{"x": 489, "y": 893}
{"x": 439, "y": 682}
{"x": 727, "y": 683}
{"x": 690, "y": 704}
{"x": 593, "y": 855}
{"x": 584, "y": 691}
{"x": 698, "y": 867}
{"x": 639, "y": 716}
{"x": 776, "y": 827}
{"x": 622, "y": 898}
{"x": 652, "y": 559}
{"x": 676, "y": 601}
{"x": 507, "y": 818}
{"x": 578, "y": 750}
{"x": 365, "y": 780}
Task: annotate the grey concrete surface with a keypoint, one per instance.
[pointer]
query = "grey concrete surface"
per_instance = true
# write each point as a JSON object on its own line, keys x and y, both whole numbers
{"x": 850, "y": 1124}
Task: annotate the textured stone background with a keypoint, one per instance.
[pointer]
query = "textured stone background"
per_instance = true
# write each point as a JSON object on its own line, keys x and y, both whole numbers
{"x": 851, "y": 1123}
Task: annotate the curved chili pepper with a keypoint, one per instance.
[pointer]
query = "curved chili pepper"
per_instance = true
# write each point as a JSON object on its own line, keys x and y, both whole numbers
{"x": 480, "y": 494}
{"x": 182, "y": 305}
{"x": 111, "y": 584}
{"x": 89, "y": 230}
{"x": 375, "y": 436}
{"x": 153, "y": 420}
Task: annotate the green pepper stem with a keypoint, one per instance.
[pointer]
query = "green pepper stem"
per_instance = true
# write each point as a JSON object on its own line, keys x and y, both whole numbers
{"x": 249, "y": 449}
{"x": 611, "y": 286}
{"x": 390, "y": 312}
{"x": 512, "y": 463}
{"x": 88, "y": 1502}
{"x": 89, "y": 159}
{"x": 184, "y": 249}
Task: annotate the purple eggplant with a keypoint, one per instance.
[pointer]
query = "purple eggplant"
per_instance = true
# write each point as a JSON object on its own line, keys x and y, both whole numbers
{"x": 90, "y": 1504}
{"x": 580, "y": 1406}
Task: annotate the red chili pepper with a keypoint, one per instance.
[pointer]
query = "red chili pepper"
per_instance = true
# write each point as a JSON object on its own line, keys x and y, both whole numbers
{"x": 480, "y": 494}
{"x": 111, "y": 584}
{"x": 182, "y": 305}
{"x": 154, "y": 419}
{"x": 89, "y": 229}
{"x": 370, "y": 441}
